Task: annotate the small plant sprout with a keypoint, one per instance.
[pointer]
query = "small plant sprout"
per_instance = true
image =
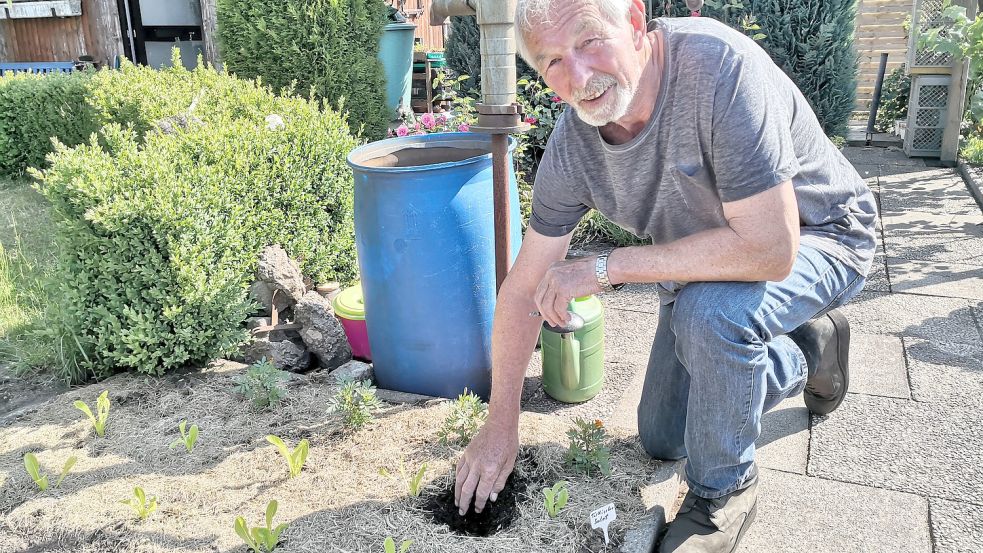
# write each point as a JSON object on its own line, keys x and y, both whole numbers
{"x": 466, "y": 417}
{"x": 412, "y": 479}
{"x": 261, "y": 384}
{"x": 390, "y": 545}
{"x": 261, "y": 539}
{"x": 34, "y": 470}
{"x": 556, "y": 498}
{"x": 355, "y": 402}
{"x": 296, "y": 458}
{"x": 187, "y": 438}
{"x": 587, "y": 451}
{"x": 140, "y": 504}
{"x": 102, "y": 412}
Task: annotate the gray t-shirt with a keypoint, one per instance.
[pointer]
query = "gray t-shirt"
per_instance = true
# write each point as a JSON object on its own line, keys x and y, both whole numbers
{"x": 728, "y": 124}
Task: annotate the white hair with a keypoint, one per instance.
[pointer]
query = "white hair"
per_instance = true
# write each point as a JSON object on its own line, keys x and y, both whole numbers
{"x": 530, "y": 13}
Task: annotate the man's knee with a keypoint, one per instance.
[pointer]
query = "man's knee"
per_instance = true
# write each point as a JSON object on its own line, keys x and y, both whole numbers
{"x": 707, "y": 311}
{"x": 658, "y": 441}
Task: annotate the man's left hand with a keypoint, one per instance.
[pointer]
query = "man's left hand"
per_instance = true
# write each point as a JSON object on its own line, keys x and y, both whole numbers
{"x": 564, "y": 281}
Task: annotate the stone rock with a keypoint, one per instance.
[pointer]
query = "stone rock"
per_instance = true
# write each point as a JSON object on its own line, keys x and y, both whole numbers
{"x": 354, "y": 370}
{"x": 289, "y": 355}
{"x": 393, "y": 396}
{"x": 321, "y": 331}
{"x": 274, "y": 122}
{"x": 256, "y": 322}
{"x": 175, "y": 123}
{"x": 262, "y": 294}
{"x": 281, "y": 273}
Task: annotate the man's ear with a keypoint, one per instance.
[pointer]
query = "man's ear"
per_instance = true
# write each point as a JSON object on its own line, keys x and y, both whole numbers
{"x": 636, "y": 15}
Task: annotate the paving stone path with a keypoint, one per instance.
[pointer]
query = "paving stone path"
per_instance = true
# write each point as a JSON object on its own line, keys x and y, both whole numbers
{"x": 899, "y": 466}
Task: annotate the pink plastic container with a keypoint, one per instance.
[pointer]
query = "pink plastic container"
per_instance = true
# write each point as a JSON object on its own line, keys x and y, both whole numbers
{"x": 349, "y": 307}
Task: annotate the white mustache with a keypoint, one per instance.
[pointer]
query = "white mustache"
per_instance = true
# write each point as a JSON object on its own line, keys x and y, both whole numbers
{"x": 595, "y": 86}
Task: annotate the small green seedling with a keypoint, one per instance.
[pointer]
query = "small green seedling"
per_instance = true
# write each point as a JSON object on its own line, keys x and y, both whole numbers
{"x": 556, "y": 498}
{"x": 296, "y": 458}
{"x": 355, "y": 402}
{"x": 466, "y": 417}
{"x": 262, "y": 384}
{"x": 34, "y": 470}
{"x": 102, "y": 412}
{"x": 140, "y": 504}
{"x": 587, "y": 451}
{"x": 390, "y": 545}
{"x": 187, "y": 438}
{"x": 413, "y": 480}
{"x": 261, "y": 539}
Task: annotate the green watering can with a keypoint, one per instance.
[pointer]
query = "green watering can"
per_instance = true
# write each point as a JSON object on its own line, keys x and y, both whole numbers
{"x": 573, "y": 355}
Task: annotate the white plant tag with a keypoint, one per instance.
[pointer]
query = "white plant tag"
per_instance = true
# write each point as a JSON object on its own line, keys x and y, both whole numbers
{"x": 601, "y": 518}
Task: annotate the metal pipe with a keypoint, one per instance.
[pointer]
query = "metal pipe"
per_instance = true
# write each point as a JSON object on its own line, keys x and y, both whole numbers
{"x": 500, "y": 192}
{"x": 876, "y": 100}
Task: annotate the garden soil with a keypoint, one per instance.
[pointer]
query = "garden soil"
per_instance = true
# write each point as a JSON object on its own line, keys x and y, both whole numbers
{"x": 340, "y": 502}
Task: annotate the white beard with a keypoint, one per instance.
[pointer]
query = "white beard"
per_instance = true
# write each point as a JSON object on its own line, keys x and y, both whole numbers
{"x": 613, "y": 107}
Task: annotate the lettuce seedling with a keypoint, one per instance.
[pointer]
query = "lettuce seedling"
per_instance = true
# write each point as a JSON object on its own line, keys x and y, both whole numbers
{"x": 259, "y": 537}
{"x": 556, "y": 498}
{"x": 390, "y": 545}
{"x": 102, "y": 412}
{"x": 296, "y": 458}
{"x": 140, "y": 504}
{"x": 412, "y": 480}
{"x": 188, "y": 439}
{"x": 34, "y": 470}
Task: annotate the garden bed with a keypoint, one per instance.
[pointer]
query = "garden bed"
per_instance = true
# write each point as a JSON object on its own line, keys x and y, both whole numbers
{"x": 339, "y": 502}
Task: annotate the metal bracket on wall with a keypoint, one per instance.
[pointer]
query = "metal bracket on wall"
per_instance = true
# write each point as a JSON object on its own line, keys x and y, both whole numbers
{"x": 38, "y": 10}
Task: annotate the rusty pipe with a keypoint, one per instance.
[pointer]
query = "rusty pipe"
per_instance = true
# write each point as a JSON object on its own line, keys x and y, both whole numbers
{"x": 500, "y": 193}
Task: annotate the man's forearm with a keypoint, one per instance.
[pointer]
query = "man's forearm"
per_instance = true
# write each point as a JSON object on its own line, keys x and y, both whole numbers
{"x": 514, "y": 337}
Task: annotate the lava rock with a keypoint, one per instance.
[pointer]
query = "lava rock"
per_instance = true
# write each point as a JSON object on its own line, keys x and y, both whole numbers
{"x": 289, "y": 355}
{"x": 322, "y": 332}
{"x": 262, "y": 294}
{"x": 281, "y": 273}
{"x": 353, "y": 370}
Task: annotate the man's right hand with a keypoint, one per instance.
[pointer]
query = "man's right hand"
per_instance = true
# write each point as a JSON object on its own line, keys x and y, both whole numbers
{"x": 486, "y": 465}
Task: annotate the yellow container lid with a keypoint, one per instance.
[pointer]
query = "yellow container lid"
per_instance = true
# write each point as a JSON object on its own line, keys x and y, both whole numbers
{"x": 349, "y": 304}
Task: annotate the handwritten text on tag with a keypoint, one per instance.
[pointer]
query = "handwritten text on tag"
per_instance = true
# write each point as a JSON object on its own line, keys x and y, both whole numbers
{"x": 601, "y": 518}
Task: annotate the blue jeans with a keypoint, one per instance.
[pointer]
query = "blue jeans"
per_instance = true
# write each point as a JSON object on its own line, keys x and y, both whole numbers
{"x": 720, "y": 360}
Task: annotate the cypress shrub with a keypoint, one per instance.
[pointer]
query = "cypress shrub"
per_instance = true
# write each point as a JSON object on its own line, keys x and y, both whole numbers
{"x": 326, "y": 47}
{"x": 160, "y": 227}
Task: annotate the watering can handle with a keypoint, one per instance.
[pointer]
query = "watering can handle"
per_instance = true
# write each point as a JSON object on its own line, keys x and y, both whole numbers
{"x": 570, "y": 361}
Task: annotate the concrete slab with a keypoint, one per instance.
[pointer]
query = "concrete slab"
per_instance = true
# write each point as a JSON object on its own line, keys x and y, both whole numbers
{"x": 633, "y": 297}
{"x": 879, "y": 156}
{"x": 877, "y": 366}
{"x": 805, "y": 514}
{"x": 868, "y": 172}
{"x": 936, "y": 278}
{"x": 935, "y": 237}
{"x": 784, "y": 440}
{"x": 625, "y": 414}
{"x": 877, "y": 277}
{"x": 920, "y": 179}
{"x": 924, "y": 448}
{"x": 950, "y": 198}
{"x": 957, "y": 526}
{"x": 929, "y": 317}
{"x": 658, "y": 497}
{"x": 945, "y": 372}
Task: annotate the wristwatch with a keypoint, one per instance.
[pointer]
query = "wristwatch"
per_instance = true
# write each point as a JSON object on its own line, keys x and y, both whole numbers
{"x": 601, "y": 272}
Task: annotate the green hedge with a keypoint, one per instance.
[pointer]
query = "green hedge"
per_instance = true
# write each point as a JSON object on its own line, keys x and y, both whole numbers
{"x": 34, "y": 108}
{"x": 330, "y": 47}
{"x": 159, "y": 233}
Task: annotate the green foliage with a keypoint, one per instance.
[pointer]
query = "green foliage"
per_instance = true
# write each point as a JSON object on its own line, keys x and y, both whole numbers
{"x": 159, "y": 233}
{"x": 261, "y": 539}
{"x": 413, "y": 479}
{"x": 894, "y": 100}
{"x": 34, "y": 470}
{"x": 35, "y": 108}
{"x": 587, "y": 451}
{"x": 261, "y": 384}
{"x": 389, "y": 546}
{"x": 467, "y": 415}
{"x": 327, "y": 47}
{"x": 972, "y": 150}
{"x": 355, "y": 401}
{"x": 464, "y": 55}
{"x": 295, "y": 458}
{"x": 811, "y": 40}
{"x": 187, "y": 438}
{"x": 555, "y": 498}
{"x": 142, "y": 506}
{"x": 102, "y": 412}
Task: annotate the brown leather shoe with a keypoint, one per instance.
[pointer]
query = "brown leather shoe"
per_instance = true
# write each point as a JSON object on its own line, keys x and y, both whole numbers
{"x": 711, "y": 525}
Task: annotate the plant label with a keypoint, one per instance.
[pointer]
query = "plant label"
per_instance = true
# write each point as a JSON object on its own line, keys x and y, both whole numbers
{"x": 601, "y": 518}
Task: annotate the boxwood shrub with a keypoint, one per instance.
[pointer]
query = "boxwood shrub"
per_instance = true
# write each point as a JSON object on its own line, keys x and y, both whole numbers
{"x": 159, "y": 232}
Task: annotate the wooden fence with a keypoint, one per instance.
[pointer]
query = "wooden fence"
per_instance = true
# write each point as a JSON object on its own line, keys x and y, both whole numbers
{"x": 880, "y": 28}
{"x": 95, "y": 33}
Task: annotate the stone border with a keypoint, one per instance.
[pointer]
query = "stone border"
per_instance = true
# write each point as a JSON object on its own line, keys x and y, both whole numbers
{"x": 974, "y": 183}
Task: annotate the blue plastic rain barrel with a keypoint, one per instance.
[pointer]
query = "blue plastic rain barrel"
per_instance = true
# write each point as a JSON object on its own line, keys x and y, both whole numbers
{"x": 424, "y": 230}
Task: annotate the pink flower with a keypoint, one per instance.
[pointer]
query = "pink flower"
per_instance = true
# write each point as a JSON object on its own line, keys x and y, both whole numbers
{"x": 416, "y": 127}
{"x": 428, "y": 120}
{"x": 441, "y": 119}
{"x": 402, "y": 130}
{"x": 556, "y": 99}
{"x": 531, "y": 120}
{"x": 463, "y": 127}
